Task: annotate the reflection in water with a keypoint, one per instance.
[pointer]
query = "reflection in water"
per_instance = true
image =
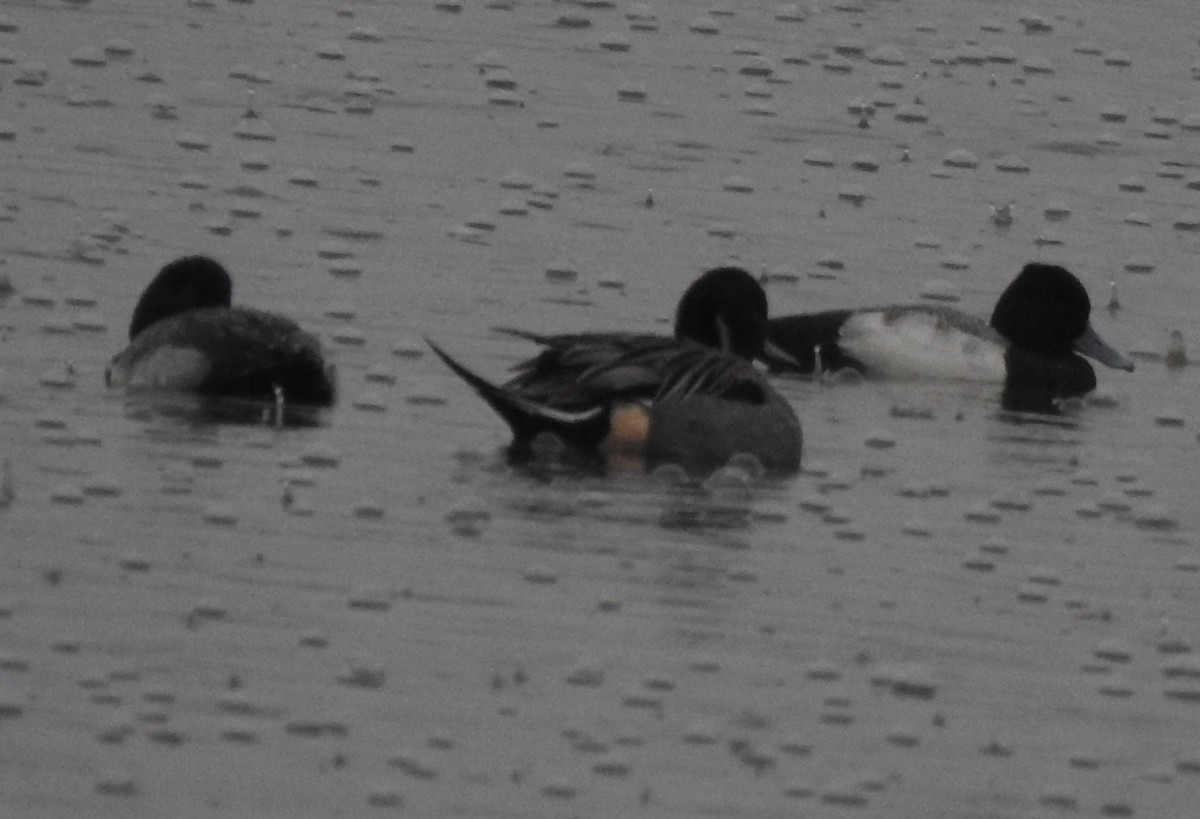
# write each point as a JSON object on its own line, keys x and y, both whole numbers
{"x": 202, "y": 411}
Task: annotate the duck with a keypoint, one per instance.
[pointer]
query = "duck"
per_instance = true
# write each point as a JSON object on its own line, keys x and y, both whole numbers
{"x": 695, "y": 399}
{"x": 1033, "y": 345}
{"x": 186, "y": 336}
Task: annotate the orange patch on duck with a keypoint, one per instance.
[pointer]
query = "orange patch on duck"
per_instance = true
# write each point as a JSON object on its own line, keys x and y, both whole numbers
{"x": 629, "y": 428}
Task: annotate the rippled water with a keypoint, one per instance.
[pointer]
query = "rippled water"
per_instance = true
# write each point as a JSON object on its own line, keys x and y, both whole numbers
{"x": 953, "y": 611}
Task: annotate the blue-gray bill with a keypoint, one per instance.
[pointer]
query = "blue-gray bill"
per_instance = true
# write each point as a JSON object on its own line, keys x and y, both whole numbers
{"x": 1091, "y": 345}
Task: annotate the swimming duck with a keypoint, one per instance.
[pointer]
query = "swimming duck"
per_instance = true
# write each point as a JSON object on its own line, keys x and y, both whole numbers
{"x": 185, "y": 336}
{"x": 1032, "y": 345}
{"x": 695, "y": 398}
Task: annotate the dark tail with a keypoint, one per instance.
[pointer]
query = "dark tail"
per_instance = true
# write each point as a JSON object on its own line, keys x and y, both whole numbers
{"x": 579, "y": 428}
{"x": 808, "y": 340}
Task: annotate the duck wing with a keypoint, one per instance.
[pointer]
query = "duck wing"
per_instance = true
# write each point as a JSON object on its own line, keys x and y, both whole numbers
{"x": 588, "y": 369}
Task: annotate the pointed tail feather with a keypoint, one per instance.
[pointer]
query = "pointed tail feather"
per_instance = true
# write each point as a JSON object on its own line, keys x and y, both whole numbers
{"x": 536, "y": 338}
{"x": 527, "y": 418}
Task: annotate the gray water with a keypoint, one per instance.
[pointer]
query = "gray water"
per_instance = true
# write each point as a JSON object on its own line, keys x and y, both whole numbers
{"x": 952, "y": 611}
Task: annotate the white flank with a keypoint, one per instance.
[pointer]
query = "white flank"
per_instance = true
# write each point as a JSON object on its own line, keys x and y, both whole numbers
{"x": 918, "y": 344}
{"x": 163, "y": 368}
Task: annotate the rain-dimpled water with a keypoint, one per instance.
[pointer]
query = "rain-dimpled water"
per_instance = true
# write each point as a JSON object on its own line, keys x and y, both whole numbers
{"x": 952, "y": 610}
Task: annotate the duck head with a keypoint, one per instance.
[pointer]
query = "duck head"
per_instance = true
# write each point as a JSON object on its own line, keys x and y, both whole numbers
{"x": 1046, "y": 310}
{"x": 725, "y": 308}
{"x": 188, "y": 283}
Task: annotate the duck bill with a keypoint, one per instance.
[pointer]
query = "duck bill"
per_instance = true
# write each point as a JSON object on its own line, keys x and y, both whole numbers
{"x": 1091, "y": 345}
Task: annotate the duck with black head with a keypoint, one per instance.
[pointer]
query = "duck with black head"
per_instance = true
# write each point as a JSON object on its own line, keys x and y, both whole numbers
{"x": 694, "y": 398}
{"x": 1033, "y": 345}
{"x": 186, "y": 336}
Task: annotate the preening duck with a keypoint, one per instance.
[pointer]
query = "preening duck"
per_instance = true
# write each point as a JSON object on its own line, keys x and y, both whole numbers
{"x": 185, "y": 335}
{"x": 695, "y": 398}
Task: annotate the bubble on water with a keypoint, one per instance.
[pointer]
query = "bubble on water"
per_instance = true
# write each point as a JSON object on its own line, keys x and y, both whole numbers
{"x": 701, "y": 733}
{"x": 1059, "y": 797}
{"x": 981, "y": 513}
{"x": 513, "y": 206}
{"x": 1032, "y": 593}
{"x": 480, "y": 222}
{"x": 303, "y": 178}
{"x": 911, "y": 113}
{"x": 468, "y": 517}
{"x": 844, "y": 794}
{"x": 539, "y": 574}
{"x": 363, "y": 674}
{"x": 500, "y": 78}
{"x": 742, "y": 574}
{"x": 333, "y": 52}
{"x": 193, "y": 181}
{"x": 608, "y": 604}
{"x": 864, "y": 162}
{"x": 1182, "y": 667}
{"x": 961, "y": 158}
{"x": 220, "y": 514}
{"x": 89, "y": 57}
{"x": 1169, "y": 418}
{"x": 114, "y": 733}
{"x": 819, "y": 157}
{"x": 1114, "y": 651}
{"x": 1012, "y": 164}
{"x": 12, "y": 704}
{"x": 317, "y": 729}
{"x": 368, "y": 510}
{"x": 758, "y": 90}
{"x": 166, "y": 736}
{"x": 408, "y": 349}
{"x": 370, "y": 401}
{"x": 114, "y": 782}
{"x": 207, "y": 461}
{"x": 835, "y": 516}
{"x": 586, "y": 676}
{"x": 33, "y": 73}
{"x": 1186, "y": 222}
{"x": 67, "y": 494}
{"x": 192, "y": 141}
{"x": 365, "y": 34}
{"x": 1084, "y": 477}
{"x": 371, "y": 598}
{"x": 940, "y": 290}
{"x": 342, "y": 310}
{"x": 1010, "y": 501}
{"x": 854, "y": 194}
{"x": 1132, "y": 184}
{"x": 414, "y": 764}
{"x": 319, "y": 456}
{"x": 13, "y": 662}
{"x": 242, "y": 732}
{"x": 1155, "y": 517}
{"x": 219, "y": 226}
{"x": 385, "y": 796}
{"x": 917, "y": 527}
{"x": 380, "y": 373}
{"x": 134, "y": 561}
